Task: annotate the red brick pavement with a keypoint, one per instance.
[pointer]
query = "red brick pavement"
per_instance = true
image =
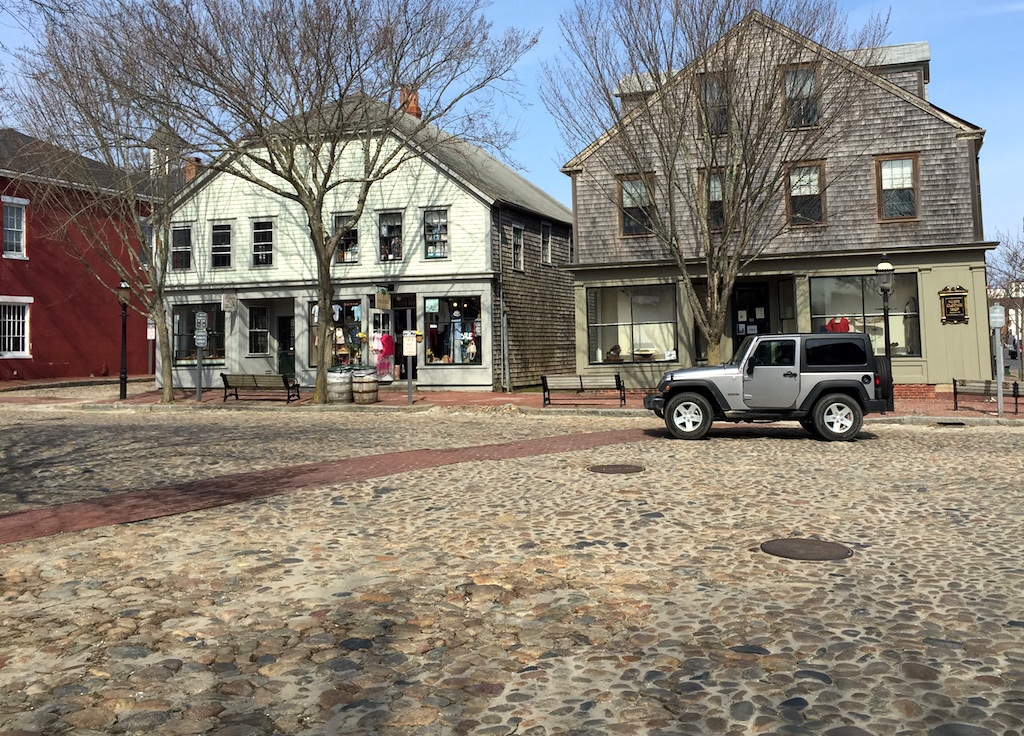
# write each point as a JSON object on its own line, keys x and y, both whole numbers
{"x": 124, "y": 508}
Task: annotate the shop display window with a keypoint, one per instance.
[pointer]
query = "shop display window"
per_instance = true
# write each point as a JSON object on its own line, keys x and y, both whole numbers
{"x": 184, "y": 319}
{"x": 632, "y": 324}
{"x": 453, "y": 331}
{"x": 349, "y": 338}
{"x": 854, "y": 304}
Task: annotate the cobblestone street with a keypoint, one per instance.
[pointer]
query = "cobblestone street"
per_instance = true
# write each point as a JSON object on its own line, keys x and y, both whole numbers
{"x": 512, "y": 590}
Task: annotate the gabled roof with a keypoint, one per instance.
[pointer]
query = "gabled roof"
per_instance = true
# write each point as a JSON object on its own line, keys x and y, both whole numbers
{"x": 469, "y": 164}
{"x": 22, "y": 155}
{"x": 888, "y": 55}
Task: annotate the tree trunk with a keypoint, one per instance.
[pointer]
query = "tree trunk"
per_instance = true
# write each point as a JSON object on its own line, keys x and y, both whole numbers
{"x": 163, "y": 344}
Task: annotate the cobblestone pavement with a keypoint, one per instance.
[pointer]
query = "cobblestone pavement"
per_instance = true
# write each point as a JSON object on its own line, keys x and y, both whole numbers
{"x": 521, "y": 595}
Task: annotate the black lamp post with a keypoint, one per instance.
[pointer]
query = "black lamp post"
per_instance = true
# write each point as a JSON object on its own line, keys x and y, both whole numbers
{"x": 124, "y": 295}
{"x": 885, "y": 273}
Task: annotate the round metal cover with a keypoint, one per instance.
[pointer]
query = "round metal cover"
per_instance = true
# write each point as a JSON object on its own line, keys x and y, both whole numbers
{"x": 799, "y": 548}
{"x": 616, "y": 469}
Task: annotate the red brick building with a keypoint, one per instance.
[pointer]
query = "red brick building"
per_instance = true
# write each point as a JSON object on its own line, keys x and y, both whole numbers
{"x": 57, "y": 320}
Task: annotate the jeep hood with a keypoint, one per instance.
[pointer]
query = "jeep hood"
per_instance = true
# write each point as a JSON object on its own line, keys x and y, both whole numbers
{"x": 709, "y": 371}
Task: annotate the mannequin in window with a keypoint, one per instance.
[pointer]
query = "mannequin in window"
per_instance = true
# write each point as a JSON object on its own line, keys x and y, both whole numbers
{"x": 456, "y": 336}
{"x": 840, "y": 325}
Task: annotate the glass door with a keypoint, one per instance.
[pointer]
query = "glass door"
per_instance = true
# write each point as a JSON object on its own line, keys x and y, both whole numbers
{"x": 382, "y": 343}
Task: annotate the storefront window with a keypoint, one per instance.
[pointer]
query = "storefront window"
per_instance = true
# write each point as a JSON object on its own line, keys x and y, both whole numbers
{"x": 348, "y": 336}
{"x": 632, "y": 324}
{"x": 854, "y": 304}
{"x": 184, "y": 318}
{"x": 453, "y": 330}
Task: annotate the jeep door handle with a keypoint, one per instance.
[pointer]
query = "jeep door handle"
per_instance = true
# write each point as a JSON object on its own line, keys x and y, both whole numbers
{"x": 789, "y": 374}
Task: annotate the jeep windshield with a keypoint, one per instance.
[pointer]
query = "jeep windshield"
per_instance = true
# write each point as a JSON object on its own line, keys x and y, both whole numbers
{"x": 737, "y": 357}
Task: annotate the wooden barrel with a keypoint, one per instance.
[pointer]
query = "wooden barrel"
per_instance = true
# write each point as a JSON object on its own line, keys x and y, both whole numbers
{"x": 364, "y": 387}
{"x": 339, "y": 387}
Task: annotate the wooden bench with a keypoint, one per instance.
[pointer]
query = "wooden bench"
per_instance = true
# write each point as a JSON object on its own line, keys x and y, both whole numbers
{"x": 975, "y": 387}
{"x": 265, "y": 382}
{"x": 580, "y": 384}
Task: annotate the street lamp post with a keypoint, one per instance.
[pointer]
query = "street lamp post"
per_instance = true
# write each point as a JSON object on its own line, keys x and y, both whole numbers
{"x": 124, "y": 295}
{"x": 885, "y": 273}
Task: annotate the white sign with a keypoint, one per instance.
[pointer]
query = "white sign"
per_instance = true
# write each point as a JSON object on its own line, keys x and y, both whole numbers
{"x": 409, "y": 342}
{"x": 200, "y": 321}
{"x": 996, "y": 316}
{"x": 201, "y": 336}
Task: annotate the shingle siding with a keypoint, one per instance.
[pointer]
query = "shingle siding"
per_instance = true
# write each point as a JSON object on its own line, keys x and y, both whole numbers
{"x": 538, "y": 299}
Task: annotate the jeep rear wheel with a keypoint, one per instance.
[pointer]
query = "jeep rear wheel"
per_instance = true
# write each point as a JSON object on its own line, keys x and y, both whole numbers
{"x": 837, "y": 417}
{"x": 688, "y": 416}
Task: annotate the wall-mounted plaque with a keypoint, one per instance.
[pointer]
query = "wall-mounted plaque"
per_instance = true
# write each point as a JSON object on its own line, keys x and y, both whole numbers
{"x": 954, "y": 305}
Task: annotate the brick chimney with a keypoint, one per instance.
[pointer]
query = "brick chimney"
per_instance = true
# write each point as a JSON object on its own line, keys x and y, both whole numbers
{"x": 409, "y": 101}
{"x": 192, "y": 166}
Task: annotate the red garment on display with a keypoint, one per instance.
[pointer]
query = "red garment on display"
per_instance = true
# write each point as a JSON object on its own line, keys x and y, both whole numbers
{"x": 387, "y": 344}
{"x": 843, "y": 325}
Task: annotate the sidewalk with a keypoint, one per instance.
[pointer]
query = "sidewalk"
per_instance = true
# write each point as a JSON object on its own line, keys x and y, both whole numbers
{"x": 394, "y": 397}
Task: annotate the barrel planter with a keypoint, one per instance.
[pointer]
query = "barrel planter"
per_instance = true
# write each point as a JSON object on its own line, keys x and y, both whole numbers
{"x": 364, "y": 387}
{"x": 339, "y": 386}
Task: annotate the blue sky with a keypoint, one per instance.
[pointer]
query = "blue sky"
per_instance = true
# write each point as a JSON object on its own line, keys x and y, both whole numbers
{"x": 977, "y": 73}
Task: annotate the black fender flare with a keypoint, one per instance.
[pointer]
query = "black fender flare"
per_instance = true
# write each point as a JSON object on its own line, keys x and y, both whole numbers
{"x": 856, "y": 388}
{"x": 705, "y": 388}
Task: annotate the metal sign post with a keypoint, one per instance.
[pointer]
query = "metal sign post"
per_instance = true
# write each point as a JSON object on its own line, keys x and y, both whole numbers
{"x": 409, "y": 350}
{"x": 201, "y": 339}
{"x": 996, "y": 320}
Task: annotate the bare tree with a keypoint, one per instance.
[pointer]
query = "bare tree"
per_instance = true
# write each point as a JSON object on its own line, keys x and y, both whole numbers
{"x": 706, "y": 103}
{"x": 1006, "y": 285}
{"x": 93, "y": 174}
{"x": 305, "y": 99}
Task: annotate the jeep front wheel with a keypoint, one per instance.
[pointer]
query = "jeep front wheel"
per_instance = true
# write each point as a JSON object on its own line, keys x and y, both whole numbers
{"x": 837, "y": 417}
{"x": 688, "y": 416}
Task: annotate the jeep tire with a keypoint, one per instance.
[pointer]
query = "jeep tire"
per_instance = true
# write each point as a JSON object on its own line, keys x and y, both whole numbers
{"x": 837, "y": 417}
{"x": 688, "y": 416}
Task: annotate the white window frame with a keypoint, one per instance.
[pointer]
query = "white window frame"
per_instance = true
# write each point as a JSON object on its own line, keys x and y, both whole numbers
{"x": 350, "y": 237}
{"x": 174, "y": 249}
{"x": 400, "y": 256}
{"x": 20, "y": 205}
{"x": 214, "y": 226}
{"x": 545, "y": 243}
{"x": 518, "y": 259}
{"x": 24, "y": 302}
{"x": 439, "y": 243}
{"x": 265, "y": 331}
{"x": 264, "y": 254}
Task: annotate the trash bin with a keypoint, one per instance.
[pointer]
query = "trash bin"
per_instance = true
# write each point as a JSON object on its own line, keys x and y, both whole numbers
{"x": 364, "y": 386}
{"x": 339, "y": 385}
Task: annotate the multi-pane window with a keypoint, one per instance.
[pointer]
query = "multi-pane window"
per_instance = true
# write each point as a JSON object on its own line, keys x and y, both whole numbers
{"x": 897, "y": 187}
{"x": 14, "y": 228}
{"x": 517, "y": 249}
{"x": 13, "y": 330}
{"x": 391, "y": 236}
{"x": 854, "y": 304}
{"x": 220, "y": 246}
{"x": 435, "y": 230}
{"x": 545, "y": 243}
{"x": 181, "y": 248}
{"x": 631, "y": 323}
{"x": 636, "y": 207}
{"x": 453, "y": 330}
{"x": 805, "y": 204}
{"x": 716, "y": 202}
{"x": 348, "y": 246}
{"x": 259, "y": 330}
{"x": 801, "y": 88}
{"x": 263, "y": 243}
{"x": 184, "y": 325}
{"x": 716, "y": 104}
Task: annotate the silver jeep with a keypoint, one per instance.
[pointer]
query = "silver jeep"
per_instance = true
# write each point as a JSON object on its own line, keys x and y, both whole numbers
{"x": 825, "y": 381}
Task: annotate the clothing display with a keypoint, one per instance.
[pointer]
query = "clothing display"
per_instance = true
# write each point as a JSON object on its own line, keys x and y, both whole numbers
{"x": 842, "y": 325}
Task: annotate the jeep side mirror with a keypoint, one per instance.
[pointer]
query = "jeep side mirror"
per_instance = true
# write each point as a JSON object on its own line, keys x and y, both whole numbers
{"x": 750, "y": 367}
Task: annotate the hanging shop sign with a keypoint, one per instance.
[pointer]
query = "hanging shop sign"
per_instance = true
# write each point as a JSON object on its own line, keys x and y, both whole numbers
{"x": 954, "y": 305}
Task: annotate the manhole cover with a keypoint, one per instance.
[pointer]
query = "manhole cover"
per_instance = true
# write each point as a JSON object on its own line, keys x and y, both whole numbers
{"x": 616, "y": 469}
{"x": 806, "y": 549}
